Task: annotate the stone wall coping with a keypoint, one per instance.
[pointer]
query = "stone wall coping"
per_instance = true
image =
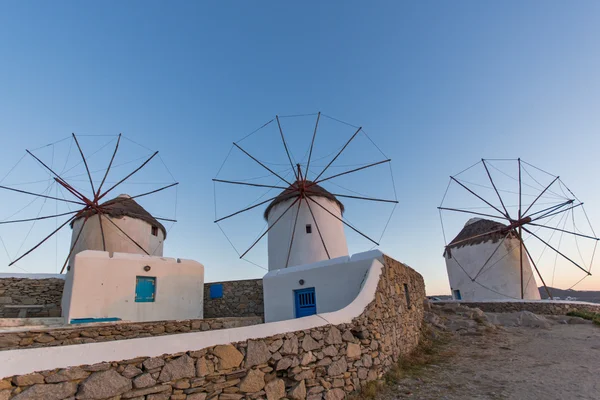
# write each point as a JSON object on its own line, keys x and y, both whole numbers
{"x": 14, "y": 323}
{"x": 18, "y": 362}
{"x": 5, "y": 275}
{"x": 574, "y": 303}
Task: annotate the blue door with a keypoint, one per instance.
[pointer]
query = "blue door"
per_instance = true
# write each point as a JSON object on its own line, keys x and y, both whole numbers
{"x": 145, "y": 289}
{"x": 306, "y": 302}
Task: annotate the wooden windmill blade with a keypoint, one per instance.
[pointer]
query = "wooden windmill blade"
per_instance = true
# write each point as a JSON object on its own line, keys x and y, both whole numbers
{"x": 90, "y": 207}
{"x": 300, "y": 205}
{"x": 500, "y": 226}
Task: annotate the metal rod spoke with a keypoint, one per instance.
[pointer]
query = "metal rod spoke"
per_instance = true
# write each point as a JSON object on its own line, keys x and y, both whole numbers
{"x": 536, "y": 268}
{"x": 471, "y": 212}
{"x": 285, "y": 146}
{"x": 245, "y": 209}
{"x": 318, "y": 230}
{"x": 338, "y": 154}
{"x": 85, "y": 163}
{"x": 349, "y": 172}
{"x": 102, "y": 232}
{"x": 565, "y": 231}
{"x": 128, "y": 176}
{"x": 42, "y": 195}
{"x": 261, "y": 164}
{"x": 552, "y": 208}
{"x": 73, "y": 246}
{"x": 495, "y": 189}
{"x": 520, "y": 232}
{"x": 45, "y": 166}
{"x": 287, "y": 262}
{"x": 540, "y": 195}
{"x": 491, "y": 255}
{"x": 109, "y": 165}
{"x": 547, "y": 244}
{"x": 249, "y": 184}
{"x": 38, "y": 218}
{"x": 269, "y": 228}
{"x": 312, "y": 143}
{"x": 147, "y": 193}
{"x": 357, "y": 197}
{"x": 558, "y": 212}
{"x": 43, "y": 240}
{"x": 476, "y": 195}
{"x": 342, "y": 221}
{"x": 128, "y": 237}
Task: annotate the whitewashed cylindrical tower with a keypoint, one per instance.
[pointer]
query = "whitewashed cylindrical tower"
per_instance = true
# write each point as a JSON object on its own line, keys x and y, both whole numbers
{"x": 312, "y": 241}
{"x": 133, "y": 220}
{"x": 496, "y": 273}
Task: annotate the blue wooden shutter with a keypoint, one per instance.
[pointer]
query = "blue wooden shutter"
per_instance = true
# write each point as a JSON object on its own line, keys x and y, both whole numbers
{"x": 306, "y": 302}
{"x": 216, "y": 291}
{"x": 145, "y": 289}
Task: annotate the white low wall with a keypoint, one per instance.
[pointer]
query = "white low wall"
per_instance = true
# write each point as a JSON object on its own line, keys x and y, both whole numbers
{"x": 17, "y": 362}
{"x": 337, "y": 282}
{"x": 101, "y": 286}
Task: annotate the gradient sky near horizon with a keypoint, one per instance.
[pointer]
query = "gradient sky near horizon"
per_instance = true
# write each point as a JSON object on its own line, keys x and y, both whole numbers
{"x": 437, "y": 85}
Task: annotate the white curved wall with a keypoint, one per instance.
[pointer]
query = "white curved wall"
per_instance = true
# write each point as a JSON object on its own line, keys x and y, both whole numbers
{"x": 116, "y": 241}
{"x": 503, "y": 277}
{"x": 307, "y": 247}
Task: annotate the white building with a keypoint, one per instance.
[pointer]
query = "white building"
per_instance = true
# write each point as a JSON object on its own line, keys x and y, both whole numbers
{"x": 101, "y": 286}
{"x": 307, "y": 246}
{"x": 477, "y": 271}
{"x": 130, "y": 217}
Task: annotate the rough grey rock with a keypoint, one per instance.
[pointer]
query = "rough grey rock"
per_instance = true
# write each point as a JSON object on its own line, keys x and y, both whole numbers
{"x": 257, "y": 353}
{"x": 56, "y": 391}
{"x": 298, "y": 392}
{"x": 229, "y": 356}
{"x": 253, "y": 382}
{"x": 290, "y": 346}
{"x": 102, "y": 385}
{"x": 144, "y": 381}
{"x": 182, "y": 367}
{"x": 69, "y": 374}
{"x": 275, "y": 389}
{"x": 337, "y": 367}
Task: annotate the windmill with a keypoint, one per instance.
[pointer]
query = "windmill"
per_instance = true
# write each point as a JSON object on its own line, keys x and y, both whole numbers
{"x": 305, "y": 219}
{"x": 100, "y": 220}
{"x": 522, "y": 219}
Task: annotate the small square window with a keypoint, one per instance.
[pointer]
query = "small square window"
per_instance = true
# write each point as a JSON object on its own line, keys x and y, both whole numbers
{"x": 145, "y": 289}
{"x": 154, "y": 231}
{"x": 308, "y": 228}
{"x": 216, "y": 291}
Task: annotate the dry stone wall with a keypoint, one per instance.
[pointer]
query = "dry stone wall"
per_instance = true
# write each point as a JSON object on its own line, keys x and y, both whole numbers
{"x": 25, "y": 291}
{"x": 240, "y": 299}
{"x": 116, "y": 331}
{"x": 326, "y": 362}
{"x": 536, "y": 307}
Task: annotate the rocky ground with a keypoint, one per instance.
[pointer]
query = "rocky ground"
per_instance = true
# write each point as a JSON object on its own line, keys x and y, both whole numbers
{"x": 504, "y": 356}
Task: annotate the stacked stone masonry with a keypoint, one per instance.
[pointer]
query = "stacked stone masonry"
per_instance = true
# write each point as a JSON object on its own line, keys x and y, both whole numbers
{"x": 105, "y": 332}
{"x": 46, "y": 293}
{"x": 327, "y": 362}
{"x": 544, "y": 308}
{"x": 240, "y": 299}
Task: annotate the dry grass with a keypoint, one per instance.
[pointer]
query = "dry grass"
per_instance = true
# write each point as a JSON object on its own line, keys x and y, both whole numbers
{"x": 431, "y": 350}
{"x": 592, "y": 316}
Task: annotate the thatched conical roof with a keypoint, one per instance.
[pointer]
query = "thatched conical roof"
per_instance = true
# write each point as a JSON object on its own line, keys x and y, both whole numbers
{"x": 480, "y": 231}
{"x": 312, "y": 190}
{"x": 124, "y": 206}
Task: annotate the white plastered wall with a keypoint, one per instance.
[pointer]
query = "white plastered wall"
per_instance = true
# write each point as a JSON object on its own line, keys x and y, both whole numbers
{"x": 337, "y": 282}
{"x": 101, "y": 286}
{"x": 307, "y": 247}
{"x": 501, "y": 277}
{"x": 139, "y": 230}
{"x": 17, "y": 362}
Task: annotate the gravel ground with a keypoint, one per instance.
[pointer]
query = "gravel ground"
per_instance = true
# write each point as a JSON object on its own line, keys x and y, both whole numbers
{"x": 558, "y": 358}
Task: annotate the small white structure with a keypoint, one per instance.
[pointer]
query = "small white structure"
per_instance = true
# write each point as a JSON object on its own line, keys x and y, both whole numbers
{"x": 317, "y": 288}
{"x": 496, "y": 273}
{"x": 130, "y": 217}
{"x": 307, "y": 246}
{"x": 132, "y": 287}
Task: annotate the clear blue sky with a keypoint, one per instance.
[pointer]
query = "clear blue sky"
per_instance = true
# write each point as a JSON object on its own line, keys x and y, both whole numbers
{"x": 437, "y": 85}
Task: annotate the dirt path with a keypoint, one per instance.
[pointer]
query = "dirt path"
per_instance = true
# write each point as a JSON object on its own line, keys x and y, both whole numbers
{"x": 559, "y": 362}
